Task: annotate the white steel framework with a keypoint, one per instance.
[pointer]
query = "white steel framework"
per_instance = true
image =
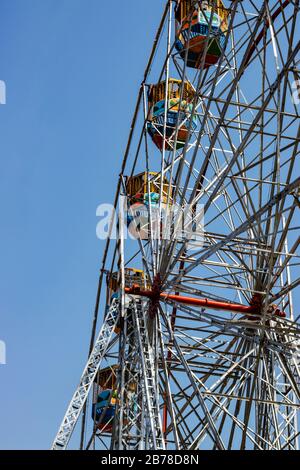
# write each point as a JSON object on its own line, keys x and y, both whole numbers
{"x": 191, "y": 375}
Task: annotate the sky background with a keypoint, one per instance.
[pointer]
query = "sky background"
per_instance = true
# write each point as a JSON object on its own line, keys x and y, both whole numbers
{"x": 72, "y": 75}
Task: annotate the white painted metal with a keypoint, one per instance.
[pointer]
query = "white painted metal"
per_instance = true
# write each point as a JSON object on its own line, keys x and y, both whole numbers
{"x": 79, "y": 398}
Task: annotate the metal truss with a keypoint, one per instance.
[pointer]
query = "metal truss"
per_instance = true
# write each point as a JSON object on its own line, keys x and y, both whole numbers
{"x": 154, "y": 436}
{"x": 87, "y": 379}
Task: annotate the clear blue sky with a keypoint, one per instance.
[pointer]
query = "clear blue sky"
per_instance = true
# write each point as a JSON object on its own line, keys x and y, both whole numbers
{"x": 72, "y": 70}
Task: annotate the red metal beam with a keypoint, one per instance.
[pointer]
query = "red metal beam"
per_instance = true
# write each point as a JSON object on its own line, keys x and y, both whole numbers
{"x": 216, "y": 305}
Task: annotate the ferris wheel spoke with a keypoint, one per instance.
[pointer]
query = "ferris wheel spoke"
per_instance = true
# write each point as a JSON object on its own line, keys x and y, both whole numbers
{"x": 184, "y": 408}
{"x": 206, "y": 253}
{"x": 230, "y": 393}
{"x": 194, "y": 385}
{"x": 248, "y": 134}
{"x": 284, "y": 259}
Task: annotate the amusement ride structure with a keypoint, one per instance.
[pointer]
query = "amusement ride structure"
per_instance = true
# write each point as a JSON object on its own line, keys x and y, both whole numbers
{"x": 196, "y": 339}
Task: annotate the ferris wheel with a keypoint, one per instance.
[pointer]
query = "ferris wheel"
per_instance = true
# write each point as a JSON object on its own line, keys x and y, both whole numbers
{"x": 199, "y": 343}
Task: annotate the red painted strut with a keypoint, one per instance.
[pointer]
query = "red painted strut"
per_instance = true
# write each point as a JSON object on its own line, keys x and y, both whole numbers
{"x": 263, "y": 32}
{"x": 213, "y": 304}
